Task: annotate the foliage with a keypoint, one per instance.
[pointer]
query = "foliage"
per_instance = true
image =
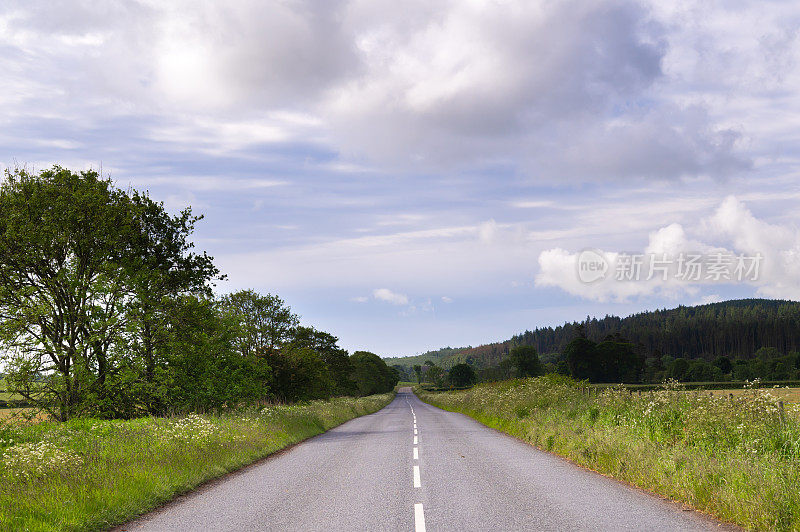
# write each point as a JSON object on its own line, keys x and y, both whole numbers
{"x": 418, "y": 373}
{"x": 735, "y": 330}
{"x": 462, "y": 375}
{"x": 712, "y": 452}
{"x": 525, "y": 361}
{"x": 612, "y": 360}
{"x": 202, "y": 371}
{"x": 82, "y": 264}
{"x": 335, "y": 358}
{"x": 266, "y": 323}
{"x": 371, "y": 374}
{"x": 107, "y": 311}
{"x": 90, "y": 474}
{"x": 300, "y": 374}
{"x": 436, "y": 375}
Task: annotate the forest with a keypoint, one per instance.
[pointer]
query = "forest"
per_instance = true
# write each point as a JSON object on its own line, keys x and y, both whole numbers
{"x": 108, "y": 311}
{"x": 731, "y": 340}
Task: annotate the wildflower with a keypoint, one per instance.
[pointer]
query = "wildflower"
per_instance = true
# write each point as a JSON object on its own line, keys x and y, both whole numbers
{"x": 29, "y": 460}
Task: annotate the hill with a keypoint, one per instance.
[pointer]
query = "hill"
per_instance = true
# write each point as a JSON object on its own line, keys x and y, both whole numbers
{"x": 736, "y": 329}
{"x": 437, "y": 357}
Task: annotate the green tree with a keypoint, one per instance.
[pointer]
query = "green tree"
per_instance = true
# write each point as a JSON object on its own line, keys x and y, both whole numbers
{"x": 371, "y": 374}
{"x": 266, "y": 322}
{"x": 579, "y": 354}
{"x": 84, "y": 271}
{"x": 724, "y": 364}
{"x": 164, "y": 267}
{"x": 462, "y": 375}
{"x": 335, "y": 358}
{"x": 418, "y": 373}
{"x": 202, "y": 371}
{"x": 68, "y": 252}
{"x": 679, "y": 369}
{"x": 436, "y": 375}
{"x": 299, "y": 374}
{"x": 525, "y": 360}
{"x": 616, "y": 360}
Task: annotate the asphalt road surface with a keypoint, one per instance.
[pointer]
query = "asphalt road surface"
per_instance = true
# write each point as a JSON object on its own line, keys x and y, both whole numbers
{"x": 412, "y": 466}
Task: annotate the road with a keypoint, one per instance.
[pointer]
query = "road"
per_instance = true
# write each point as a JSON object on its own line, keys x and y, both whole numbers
{"x": 415, "y": 467}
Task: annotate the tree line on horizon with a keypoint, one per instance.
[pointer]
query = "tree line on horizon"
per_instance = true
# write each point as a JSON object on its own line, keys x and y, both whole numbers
{"x": 106, "y": 310}
{"x": 726, "y": 341}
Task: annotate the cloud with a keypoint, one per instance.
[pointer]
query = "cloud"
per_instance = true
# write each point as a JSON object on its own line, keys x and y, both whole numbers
{"x": 710, "y": 298}
{"x": 384, "y": 294}
{"x": 487, "y": 231}
{"x": 549, "y": 91}
{"x": 780, "y": 246}
{"x": 446, "y": 299}
{"x": 558, "y": 90}
{"x": 770, "y": 260}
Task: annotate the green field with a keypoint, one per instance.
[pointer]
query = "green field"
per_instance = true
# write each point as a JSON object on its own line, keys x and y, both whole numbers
{"x": 5, "y": 395}
{"x": 737, "y": 458}
{"x": 88, "y": 474}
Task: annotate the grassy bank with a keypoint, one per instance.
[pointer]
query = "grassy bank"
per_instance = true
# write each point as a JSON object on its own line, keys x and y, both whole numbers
{"x": 737, "y": 458}
{"x": 91, "y": 474}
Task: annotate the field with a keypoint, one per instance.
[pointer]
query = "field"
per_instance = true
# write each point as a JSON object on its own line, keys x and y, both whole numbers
{"x": 89, "y": 474}
{"x": 5, "y": 395}
{"x": 21, "y": 414}
{"x": 787, "y": 395}
{"x": 737, "y": 458}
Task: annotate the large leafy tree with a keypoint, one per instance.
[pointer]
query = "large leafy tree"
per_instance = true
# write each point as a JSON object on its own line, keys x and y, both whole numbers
{"x": 78, "y": 259}
{"x": 164, "y": 268}
{"x": 266, "y": 322}
{"x": 300, "y": 373}
{"x": 371, "y": 374}
{"x": 580, "y": 357}
{"x": 436, "y": 375}
{"x": 201, "y": 370}
{"x": 334, "y": 357}
{"x": 65, "y": 240}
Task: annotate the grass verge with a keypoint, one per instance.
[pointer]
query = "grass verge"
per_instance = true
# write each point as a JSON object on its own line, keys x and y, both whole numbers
{"x": 88, "y": 474}
{"x": 737, "y": 458}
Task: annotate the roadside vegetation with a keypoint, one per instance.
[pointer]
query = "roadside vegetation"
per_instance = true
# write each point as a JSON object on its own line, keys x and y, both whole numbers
{"x": 127, "y": 379}
{"x": 735, "y": 457}
{"x": 108, "y": 311}
{"x": 89, "y": 474}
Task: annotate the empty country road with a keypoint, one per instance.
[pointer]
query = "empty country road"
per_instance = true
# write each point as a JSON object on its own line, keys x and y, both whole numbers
{"x": 412, "y": 466}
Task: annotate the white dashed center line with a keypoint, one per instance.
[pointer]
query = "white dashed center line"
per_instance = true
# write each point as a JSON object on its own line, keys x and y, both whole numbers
{"x": 419, "y": 518}
{"x": 419, "y": 514}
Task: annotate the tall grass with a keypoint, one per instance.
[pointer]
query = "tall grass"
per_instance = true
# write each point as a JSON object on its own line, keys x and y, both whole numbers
{"x": 90, "y": 474}
{"x": 737, "y": 458}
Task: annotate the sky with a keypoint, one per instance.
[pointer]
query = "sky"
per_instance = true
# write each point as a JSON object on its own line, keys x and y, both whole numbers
{"x": 413, "y": 175}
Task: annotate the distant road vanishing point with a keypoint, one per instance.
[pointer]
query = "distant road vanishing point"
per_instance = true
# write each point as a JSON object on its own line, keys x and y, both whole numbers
{"x": 412, "y": 466}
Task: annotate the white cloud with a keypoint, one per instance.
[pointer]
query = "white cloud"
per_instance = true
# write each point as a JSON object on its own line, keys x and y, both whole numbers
{"x": 780, "y": 246}
{"x": 736, "y": 232}
{"x": 446, "y": 299}
{"x": 565, "y": 90}
{"x": 384, "y": 294}
{"x": 487, "y": 231}
{"x": 710, "y": 298}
